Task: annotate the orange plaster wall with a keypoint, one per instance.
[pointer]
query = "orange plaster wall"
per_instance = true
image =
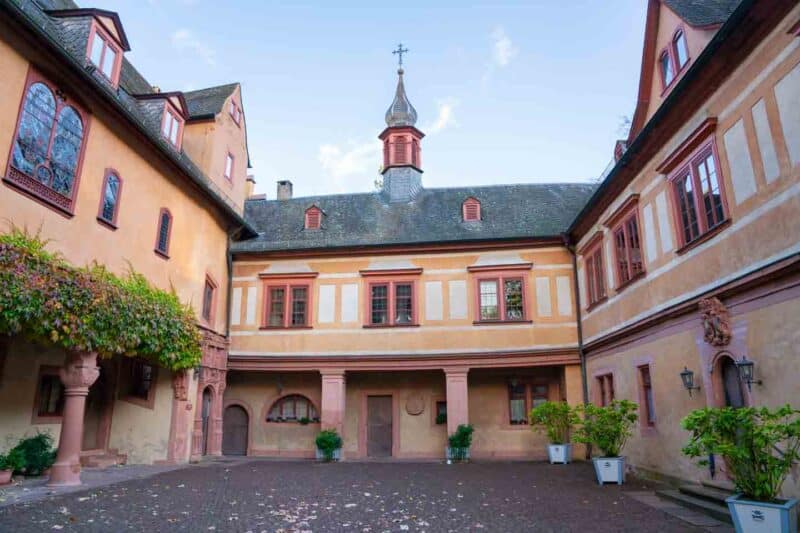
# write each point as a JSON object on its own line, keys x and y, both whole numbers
{"x": 198, "y": 240}
{"x": 447, "y": 334}
{"x": 772, "y": 210}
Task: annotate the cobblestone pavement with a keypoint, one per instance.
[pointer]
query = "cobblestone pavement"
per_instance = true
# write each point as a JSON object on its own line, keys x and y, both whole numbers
{"x": 359, "y": 497}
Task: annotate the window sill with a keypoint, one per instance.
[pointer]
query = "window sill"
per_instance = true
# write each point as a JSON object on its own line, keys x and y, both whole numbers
{"x": 46, "y": 419}
{"x": 160, "y": 254}
{"x": 499, "y": 322}
{"x": 704, "y": 237}
{"x": 310, "y": 423}
{"x": 674, "y": 80}
{"x": 631, "y": 281}
{"x": 107, "y": 223}
{"x": 37, "y": 192}
{"x": 596, "y": 303}
{"x": 378, "y": 326}
{"x": 141, "y": 402}
{"x": 285, "y": 327}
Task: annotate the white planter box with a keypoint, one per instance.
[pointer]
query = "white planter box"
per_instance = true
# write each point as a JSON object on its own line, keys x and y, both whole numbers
{"x": 337, "y": 455}
{"x": 457, "y": 454}
{"x": 609, "y": 469}
{"x": 559, "y": 453}
{"x": 757, "y": 517}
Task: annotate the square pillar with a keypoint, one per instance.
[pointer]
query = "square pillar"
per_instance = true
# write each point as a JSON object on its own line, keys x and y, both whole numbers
{"x": 573, "y": 394}
{"x": 457, "y": 398}
{"x": 333, "y": 390}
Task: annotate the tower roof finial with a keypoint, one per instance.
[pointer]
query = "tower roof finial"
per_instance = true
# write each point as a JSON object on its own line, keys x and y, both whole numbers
{"x": 401, "y": 112}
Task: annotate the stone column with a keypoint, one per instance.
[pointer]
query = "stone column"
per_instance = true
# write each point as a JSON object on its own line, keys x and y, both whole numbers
{"x": 457, "y": 398}
{"x": 333, "y": 389}
{"x": 215, "y": 444}
{"x": 79, "y": 372}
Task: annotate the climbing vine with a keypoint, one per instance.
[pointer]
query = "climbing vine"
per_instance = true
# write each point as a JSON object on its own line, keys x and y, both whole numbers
{"x": 91, "y": 309}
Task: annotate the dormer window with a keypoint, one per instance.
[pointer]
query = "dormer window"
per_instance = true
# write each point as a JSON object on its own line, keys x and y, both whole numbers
{"x": 471, "y": 210}
{"x": 673, "y": 58}
{"x": 681, "y": 51}
{"x": 103, "y": 54}
{"x": 235, "y": 112}
{"x": 228, "y": 167}
{"x": 667, "y": 72}
{"x": 172, "y": 126}
{"x": 313, "y": 218}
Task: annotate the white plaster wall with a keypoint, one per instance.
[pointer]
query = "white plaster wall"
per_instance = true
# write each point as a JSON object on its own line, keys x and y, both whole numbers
{"x": 457, "y": 291}
{"x": 649, "y": 233}
{"x": 766, "y": 146}
{"x": 742, "y": 177}
{"x": 564, "y": 295}
{"x": 236, "y": 306}
{"x": 327, "y": 304}
{"x": 250, "y": 317}
{"x": 433, "y": 300}
{"x": 350, "y": 302}
{"x": 787, "y": 95}
{"x": 543, "y": 305}
{"x": 664, "y": 228}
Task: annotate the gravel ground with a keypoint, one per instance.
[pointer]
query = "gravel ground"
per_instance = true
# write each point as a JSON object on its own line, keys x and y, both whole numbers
{"x": 270, "y": 496}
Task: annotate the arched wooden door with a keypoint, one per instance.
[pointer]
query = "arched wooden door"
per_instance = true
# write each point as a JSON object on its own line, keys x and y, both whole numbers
{"x": 731, "y": 384}
{"x": 235, "y": 424}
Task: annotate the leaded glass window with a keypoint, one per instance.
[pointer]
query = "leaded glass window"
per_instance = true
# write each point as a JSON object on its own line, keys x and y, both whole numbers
{"x": 110, "y": 198}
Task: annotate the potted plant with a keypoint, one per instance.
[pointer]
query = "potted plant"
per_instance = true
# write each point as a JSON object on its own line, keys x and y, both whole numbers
{"x": 329, "y": 446}
{"x": 13, "y": 461}
{"x": 759, "y": 446}
{"x": 608, "y": 428}
{"x": 37, "y": 452}
{"x": 557, "y": 418}
{"x": 459, "y": 443}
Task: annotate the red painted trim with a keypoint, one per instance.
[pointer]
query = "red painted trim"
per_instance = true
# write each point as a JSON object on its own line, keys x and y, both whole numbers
{"x": 391, "y": 272}
{"x": 109, "y": 41}
{"x": 628, "y": 211}
{"x": 179, "y": 119}
{"x": 112, "y": 224}
{"x": 284, "y": 275}
{"x": 164, "y": 253}
{"x": 308, "y": 218}
{"x": 698, "y": 136}
{"x": 499, "y": 276}
{"x": 498, "y": 268}
{"x": 402, "y": 130}
{"x": 34, "y": 76}
{"x": 96, "y": 13}
{"x": 214, "y": 292}
{"x": 646, "y": 426}
{"x": 390, "y": 283}
{"x": 285, "y": 395}
{"x": 470, "y": 202}
{"x": 594, "y": 297}
{"x": 591, "y": 243}
{"x": 286, "y": 284}
{"x": 649, "y": 56}
{"x": 672, "y": 52}
{"x": 622, "y": 211}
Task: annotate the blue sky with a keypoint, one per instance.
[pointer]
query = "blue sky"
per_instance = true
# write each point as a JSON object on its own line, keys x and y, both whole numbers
{"x": 506, "y": 92}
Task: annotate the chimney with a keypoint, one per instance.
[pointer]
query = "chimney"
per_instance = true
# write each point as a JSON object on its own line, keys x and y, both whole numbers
{"x": 284, "y": 190}
{"x": 249, "y": 186}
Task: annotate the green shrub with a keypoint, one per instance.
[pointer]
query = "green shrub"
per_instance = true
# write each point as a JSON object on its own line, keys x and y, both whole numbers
{"x": 14, "y": 460}
{"x": 328, "y": 441}
{"x": 38, "y": 454}
{"x": 441, "y": 418}
{"x": 557, "y": 418}
{"x": 759, "y": 445}
{"x": 462, "y": 438}
{"x": 607, "y": 427}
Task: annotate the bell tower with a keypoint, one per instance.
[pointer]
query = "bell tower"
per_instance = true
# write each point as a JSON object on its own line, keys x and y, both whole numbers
{"x": 402, "y": 154}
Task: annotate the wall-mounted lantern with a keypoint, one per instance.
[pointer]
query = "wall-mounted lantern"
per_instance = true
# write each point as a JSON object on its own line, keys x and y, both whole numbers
{"x": 687, "y": 376}
{"x": 745, "y": 367}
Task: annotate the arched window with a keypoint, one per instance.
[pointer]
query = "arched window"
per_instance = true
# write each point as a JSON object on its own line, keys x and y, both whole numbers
{"x": 164, "y": 231}
{"x": 471, "y": 209}
{"x": 681, "y": 51}
{"x": 48, "y": 146}
{"x": 293, "y": 408}
{"x": 109, "y": 201}
{"x": 667, "y": 70}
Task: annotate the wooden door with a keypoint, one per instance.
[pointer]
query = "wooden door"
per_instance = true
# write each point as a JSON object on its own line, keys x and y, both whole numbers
{"x": 234, "y": 431}
{"x": 379, "y": 426}
{"x": 205, "y": 413}
{"x": 732, "y": 384}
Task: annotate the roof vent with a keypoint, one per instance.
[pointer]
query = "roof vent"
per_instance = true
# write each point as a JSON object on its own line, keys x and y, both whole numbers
{"x": 284, "y": 190}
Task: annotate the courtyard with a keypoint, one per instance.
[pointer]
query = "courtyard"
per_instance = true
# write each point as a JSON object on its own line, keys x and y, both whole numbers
{"x": 262, "y": 495}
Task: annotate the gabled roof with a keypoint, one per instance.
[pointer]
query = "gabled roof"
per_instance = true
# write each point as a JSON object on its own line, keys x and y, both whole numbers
{"x": 435, "y": 216}
{"x": 66, "y": 37}
{"x": 700, "y": 13}
{"x": 207, "y": 103}
{"x": 82, "y": 12}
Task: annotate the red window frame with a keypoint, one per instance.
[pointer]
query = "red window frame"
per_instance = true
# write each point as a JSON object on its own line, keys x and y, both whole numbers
{"x": 313, "y": 218}
{"x": 209, "y": 302}
{"x": 158, "y": 250}
{"x": 48, "y": 373}
{"x": 471, "y": 210}
{"x": 605, "y": 389}
{"x": 132, "y": 372}
{"x": 695, "y": 169}
{"x": 292, "y": 398}
{"x": 400, "y": 149}
{"x": 671, "y": 52}
{"x": 391, "y": 302}
{"x": 680, "y": 34}
{"x": 176, "y": 124}
{"x": 96, "y": 32}
{"x": 287, "y": 304}
{"x": 26, "y": 183}
{"x": 499, "y": 278}
{"x": 109, "y": 222}
{"x": 596, "y": 291}
{"x": 228, "y": 170}
{"x": 627, "y": 239}
{"x": 530, "y": 394}
{"x": 646, "y": 398}
{"x": 235, "y": 112}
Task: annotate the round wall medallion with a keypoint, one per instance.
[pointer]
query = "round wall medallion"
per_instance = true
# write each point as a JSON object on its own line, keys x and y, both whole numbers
{"x": 415, "y": 405}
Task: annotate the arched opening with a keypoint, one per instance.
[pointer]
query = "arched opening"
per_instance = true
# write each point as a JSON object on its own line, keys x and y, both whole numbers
{"x": 728, "y": 390}
{"x": 205, "y": 414}
{"x": 235, "y": 427}
{"x": 293, "y": 408}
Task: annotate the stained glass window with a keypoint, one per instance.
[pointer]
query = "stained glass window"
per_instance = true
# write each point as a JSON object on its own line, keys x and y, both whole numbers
{"x": 110, "y": 198}
{"x": 163, "y": 232}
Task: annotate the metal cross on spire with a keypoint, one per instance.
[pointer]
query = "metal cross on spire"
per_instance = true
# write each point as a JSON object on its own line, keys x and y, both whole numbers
{"x": 400, "y": 51}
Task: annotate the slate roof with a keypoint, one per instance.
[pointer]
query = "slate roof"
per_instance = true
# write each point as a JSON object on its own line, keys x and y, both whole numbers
{"x": 208, "y": 102}
{"x": 703, "y": 12}
{"x": 70, "y": 35}
{"x": 434, "y": 216}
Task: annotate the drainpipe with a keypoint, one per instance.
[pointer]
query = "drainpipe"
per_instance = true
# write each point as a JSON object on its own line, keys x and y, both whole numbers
{"x": 229, "y": 290}
{"x": 581, "y": 354}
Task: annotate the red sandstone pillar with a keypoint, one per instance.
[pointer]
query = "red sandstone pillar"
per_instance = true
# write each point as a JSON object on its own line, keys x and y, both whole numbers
{"x": 333, "y": 389}
{"x": 79, "y": 372}
{"x": 215, "y": 443}
{"x": 457, "y": 398}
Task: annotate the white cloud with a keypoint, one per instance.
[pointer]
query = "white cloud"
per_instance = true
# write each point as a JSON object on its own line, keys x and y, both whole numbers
{"x": 184, "y": 40}
{"x": 503, "y": 49}
{"x": 352, "y": 166}
{"x": 445, "y": 117}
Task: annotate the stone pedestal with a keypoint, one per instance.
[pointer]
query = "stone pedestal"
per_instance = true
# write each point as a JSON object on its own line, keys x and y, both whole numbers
{"x": 457, "y": 398}
{"x": 79, "y": 372}
{"x": 333, "y": 399}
